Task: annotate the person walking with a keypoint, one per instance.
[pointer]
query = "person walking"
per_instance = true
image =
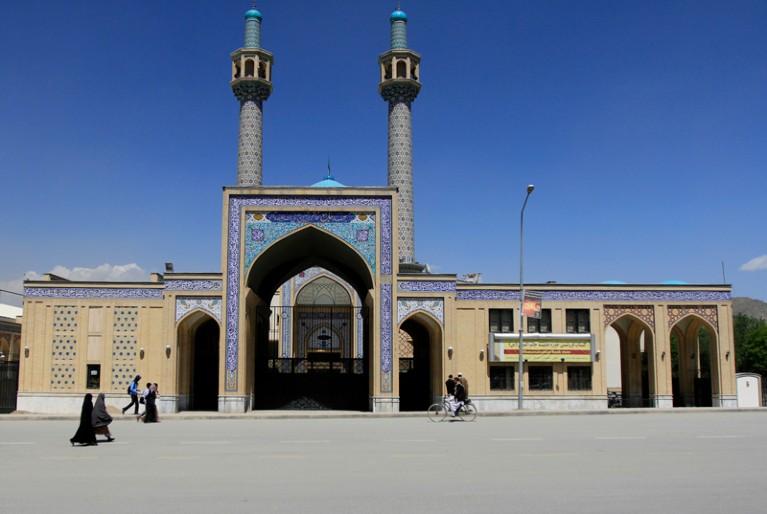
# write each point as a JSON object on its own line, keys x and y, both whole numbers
{"x": 144, "y": 396}
{"x": 150, "y": 412}
{"x": 133, "y": 392}
{"x": 85, "y": 435}
{"x": 101, "y": 418}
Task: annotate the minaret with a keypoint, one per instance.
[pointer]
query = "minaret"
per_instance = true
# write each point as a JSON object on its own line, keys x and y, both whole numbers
{"x": 400, "y": 70}
{"x": 251, "y": 84}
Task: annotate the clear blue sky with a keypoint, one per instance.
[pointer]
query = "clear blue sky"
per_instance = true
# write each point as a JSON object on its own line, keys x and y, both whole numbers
{"x": 643, "y": 125}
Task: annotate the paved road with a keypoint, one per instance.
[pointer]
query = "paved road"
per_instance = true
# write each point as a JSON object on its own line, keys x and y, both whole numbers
{"x": 624, "y": 463}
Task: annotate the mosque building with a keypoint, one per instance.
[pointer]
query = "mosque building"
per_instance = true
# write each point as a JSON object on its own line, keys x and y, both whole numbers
{"x": 321, "y": 303}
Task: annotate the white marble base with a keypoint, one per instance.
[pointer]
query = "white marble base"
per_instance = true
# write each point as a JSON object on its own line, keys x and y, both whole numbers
{"x": 489, "y": 403}
{"x": 387, "y": 404}
{"x": 233, "y": 404}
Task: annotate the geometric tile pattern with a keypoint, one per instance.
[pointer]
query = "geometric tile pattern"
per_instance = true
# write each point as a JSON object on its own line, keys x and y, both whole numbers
{"x": 125, "y": 346}
{"x": 707, "y": 312}
{"x": 252, "y": 32}
{"x": 250, "y": 150}
{"x": 644, "y": 312}
{"x": 64, "y": 347}
{"x": 399, "y": 35}
{"x": 401, "y": 174}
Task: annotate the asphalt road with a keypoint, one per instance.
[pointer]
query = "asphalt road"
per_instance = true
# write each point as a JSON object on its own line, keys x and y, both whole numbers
{"x": 681, "y": 462}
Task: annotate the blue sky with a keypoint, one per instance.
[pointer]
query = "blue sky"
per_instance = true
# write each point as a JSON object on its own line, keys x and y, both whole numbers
{"x": 642, "y": 124}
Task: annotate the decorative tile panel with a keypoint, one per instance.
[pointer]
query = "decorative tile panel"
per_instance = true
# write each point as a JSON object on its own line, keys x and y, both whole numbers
{"x": 707, "y": 312}
{"x": 209, "y": 304}
{"x": 401, "y": 175}
{"x": 426, "y": 286}
{"x": 600, "y": 296}
{"x": 63, "y": 376}
{"x": 235, "y": 240}
{"x": 64, "y": 346}
{"x": 92, "y": 292}
{"x": 644, "y": 312}
{"x": 250, "y": 149}
{"x": 193, "y": 285}
{"x": 262, "y": 229}
{"x": 125, "y": 346}
{"x": 407, "y": 306}
{"x": 386, "y": 338}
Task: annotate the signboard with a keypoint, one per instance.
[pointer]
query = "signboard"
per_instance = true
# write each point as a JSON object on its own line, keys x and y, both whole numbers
{"x": 531, "y": 305}
{"x": 542, "y": 348}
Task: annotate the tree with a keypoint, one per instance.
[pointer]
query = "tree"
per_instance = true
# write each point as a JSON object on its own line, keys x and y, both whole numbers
{"x": 750, "y": 344}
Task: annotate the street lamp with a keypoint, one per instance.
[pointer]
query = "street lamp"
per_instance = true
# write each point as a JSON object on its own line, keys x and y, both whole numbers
{"x": 520, "y": 393}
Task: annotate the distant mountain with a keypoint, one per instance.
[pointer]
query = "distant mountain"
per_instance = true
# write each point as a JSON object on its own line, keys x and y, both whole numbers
{"x": 750, "y": 307}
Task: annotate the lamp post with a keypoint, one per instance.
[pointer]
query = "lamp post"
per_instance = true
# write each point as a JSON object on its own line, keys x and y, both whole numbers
{"x": 520, "y": 392}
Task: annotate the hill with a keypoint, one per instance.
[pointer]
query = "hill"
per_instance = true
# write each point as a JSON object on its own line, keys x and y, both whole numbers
{"x": 750, "y": 307}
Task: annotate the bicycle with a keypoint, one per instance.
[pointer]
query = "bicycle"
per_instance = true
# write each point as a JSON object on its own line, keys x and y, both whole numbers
{"x": 439, "y": 411}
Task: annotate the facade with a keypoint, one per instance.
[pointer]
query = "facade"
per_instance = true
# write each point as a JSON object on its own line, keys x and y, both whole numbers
{"x": 322, "y": 304}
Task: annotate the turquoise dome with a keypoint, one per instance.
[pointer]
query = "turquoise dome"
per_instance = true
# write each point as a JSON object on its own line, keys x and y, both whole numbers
{"x": 398, "y": 16}
{"x": 253, "y": 14}
{"x": 328, "y": 182}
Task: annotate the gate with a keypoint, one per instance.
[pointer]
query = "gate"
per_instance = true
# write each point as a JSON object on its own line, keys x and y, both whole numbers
{"x": 9, "y": 386}
{"x": 312, "y": 357}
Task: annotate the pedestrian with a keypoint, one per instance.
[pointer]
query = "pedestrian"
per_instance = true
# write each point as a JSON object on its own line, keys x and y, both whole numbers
{"x": 101, "y": 418}
{"x": 85, "y": 435}
{"x": 464, "y": 382}
{"x": 156, "y": 399}
{"x": 450, "y": 385}
{"x": 133, "y": 392}
{"x": 150, "y": 412}
{"x": 143, "y": 398}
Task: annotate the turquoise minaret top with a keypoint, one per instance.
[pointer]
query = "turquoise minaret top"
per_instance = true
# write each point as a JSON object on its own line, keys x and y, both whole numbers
{"x": 253, "y": 29}
{"x": 398, "y": 21}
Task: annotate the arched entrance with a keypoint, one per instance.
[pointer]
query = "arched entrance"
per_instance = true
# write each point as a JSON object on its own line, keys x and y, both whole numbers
{"x": 312, "y": 347}
{"x": 693, "y": 359}
{"x": 630, "y": 361}
{"x": 198, "y": 360}
{"x": 418, "y": 337}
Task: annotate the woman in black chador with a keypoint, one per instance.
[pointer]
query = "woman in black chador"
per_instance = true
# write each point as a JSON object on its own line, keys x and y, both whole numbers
{"x": 101, "y": 418}
{"x": 85, "y": 434}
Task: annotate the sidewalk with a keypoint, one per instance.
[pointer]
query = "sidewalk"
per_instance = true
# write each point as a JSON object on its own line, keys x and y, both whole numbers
{"x": 329, "y": 414}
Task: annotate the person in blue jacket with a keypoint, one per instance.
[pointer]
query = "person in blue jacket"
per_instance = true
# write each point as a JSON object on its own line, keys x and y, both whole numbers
{"x": 133, "y": 392}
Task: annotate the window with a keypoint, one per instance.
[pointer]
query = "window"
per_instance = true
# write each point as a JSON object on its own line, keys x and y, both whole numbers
{"x": 501, "y": 320}
{"x": 579, "y": 378}
{"x": 578, "y": 321}
{"x": 541, "y": 378}
{"x": 501, "y": 378}
{"x": 540, "y": 326}
{"x": 93, "y": 380}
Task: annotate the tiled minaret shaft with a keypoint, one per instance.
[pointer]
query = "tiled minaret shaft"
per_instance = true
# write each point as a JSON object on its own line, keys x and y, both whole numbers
{"x": 251, "y": 84}
{"x": 400, "y": 71}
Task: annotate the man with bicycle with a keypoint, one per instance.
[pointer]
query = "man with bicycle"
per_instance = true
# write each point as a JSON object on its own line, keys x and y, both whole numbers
{"x": 459, "y": 397}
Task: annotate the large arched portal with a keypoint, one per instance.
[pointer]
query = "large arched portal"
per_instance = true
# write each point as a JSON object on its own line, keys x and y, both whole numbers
{"x": 312, "y": 346}
{"x": 632, "y": 352}
{"x": 419, "y": 339}
{"x": 695, "y": 378}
